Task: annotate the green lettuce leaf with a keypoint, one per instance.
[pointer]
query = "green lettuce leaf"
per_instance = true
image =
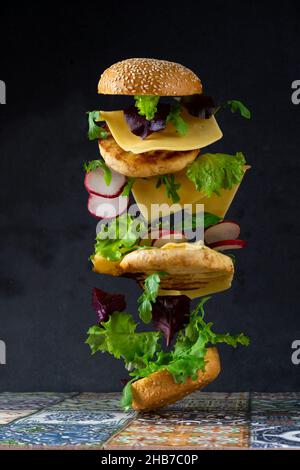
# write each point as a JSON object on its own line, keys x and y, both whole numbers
{"x": 118, "y": 337}
{"x": 177, "y": 120}
{"x": 212, "y": 172}
{"x": 95, "y": 132}
{"x": 149, "y": 295}
{"x": 94, "y": 164}
{"x": 146, "y": 105}
{"x": 119, "y": 237}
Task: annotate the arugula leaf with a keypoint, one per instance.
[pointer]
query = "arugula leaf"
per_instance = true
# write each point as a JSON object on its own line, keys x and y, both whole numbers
{"x": 128, "y": 186}
{"x": 177, "y": 120}
{"x": 94, "y": 164}
{"x": 212, "y": 172}
{"x": 95, "y": 132}
{"x": 171, "y": 186}
{"x": 147, "y": 105}
{"x": 149, "y": 295}
{"x": 236, "y": 105}
{"x": 119, "y": 237}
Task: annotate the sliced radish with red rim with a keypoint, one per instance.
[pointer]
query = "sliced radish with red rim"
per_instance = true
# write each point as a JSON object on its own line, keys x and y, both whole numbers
{"x": 95, "y": 184}
{"x": 228, "y": 245}
{"x": 107, "y": 208}
{"x": 225, "y": 230}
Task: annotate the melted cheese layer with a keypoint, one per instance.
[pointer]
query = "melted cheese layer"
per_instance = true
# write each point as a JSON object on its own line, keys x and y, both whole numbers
{"x": 202, "y": 132}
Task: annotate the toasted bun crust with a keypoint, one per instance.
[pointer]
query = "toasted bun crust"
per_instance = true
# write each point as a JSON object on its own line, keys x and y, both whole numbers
{"x": 159, "y": 389}
{"x": 149, "y": 77}
{"x": 144, "y": 165}
{"x": 188, "y": 266}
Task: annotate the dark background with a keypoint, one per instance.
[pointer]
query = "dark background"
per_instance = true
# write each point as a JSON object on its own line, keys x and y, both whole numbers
{"x": 51, "y": 59}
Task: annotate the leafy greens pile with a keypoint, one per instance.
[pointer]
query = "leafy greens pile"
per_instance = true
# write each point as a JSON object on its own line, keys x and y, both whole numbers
{"x": 119, "y": 237}
{"x": 148, "y": 115}
{"x": 125, "y": 233}
{"x": 142, "y": 351}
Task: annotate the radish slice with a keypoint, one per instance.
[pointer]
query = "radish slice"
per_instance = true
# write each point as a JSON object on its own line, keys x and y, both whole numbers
{"x": 164, "y": 236}
{"x": 222, "y": 231}
{"x": 227, "y": 245}
{"x": 95, "y": 184}
{"x": 103, "y": 208}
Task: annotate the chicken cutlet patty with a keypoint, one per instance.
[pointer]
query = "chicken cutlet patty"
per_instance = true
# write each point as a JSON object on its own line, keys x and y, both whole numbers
{"x": 144, "y": 165}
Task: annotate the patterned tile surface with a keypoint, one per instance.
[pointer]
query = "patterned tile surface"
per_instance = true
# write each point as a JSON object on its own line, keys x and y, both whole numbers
{"x": 275, "y": 420}
{"x": 91, "y": 401}
{"x": 201, "y": 420}
{"x": 202, "y": 401}
{"x": 275, "y": 430}
{"x": 25, "y": 401}
{"x": 63, "y": 428}
{"x": 184, "y": 429}
{"x": 7, "y": 416}
{"x": 284, "y": 402}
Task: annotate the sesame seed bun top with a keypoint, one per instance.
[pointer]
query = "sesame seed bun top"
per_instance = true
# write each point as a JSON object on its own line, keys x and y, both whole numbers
{"x": 149, "y": 77}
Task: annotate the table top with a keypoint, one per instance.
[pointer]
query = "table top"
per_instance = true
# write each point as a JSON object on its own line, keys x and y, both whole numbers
{"x": 200, "y": 421}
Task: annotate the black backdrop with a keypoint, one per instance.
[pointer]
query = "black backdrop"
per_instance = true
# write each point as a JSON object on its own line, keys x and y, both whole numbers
{"x": 50, "y": 59}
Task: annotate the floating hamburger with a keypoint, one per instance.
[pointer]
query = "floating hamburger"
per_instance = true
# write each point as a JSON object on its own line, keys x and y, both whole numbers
{"x": 151, "y": 153}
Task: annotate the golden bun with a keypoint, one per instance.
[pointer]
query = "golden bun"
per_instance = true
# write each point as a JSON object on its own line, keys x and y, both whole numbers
{"x": 149, "y": 77}
{"x": 159, "y": 389}
{"x": 188, "y": 266}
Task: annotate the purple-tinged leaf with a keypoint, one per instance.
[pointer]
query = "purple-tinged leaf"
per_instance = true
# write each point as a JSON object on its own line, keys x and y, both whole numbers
{"x": 140, "y": 126}
{"x": 201, "y": 106}
{"x": 169, "y": 314}
{"x": 105, "y": 304}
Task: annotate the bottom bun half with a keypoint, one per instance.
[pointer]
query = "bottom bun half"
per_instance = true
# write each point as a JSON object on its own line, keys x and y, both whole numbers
{"x": 160, "y": 389}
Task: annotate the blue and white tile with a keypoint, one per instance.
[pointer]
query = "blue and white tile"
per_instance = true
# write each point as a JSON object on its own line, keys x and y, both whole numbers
{"x": 275, "y": 430}
{"x": 109, "y": 418}
{"x": 53, "y": 435}
{"x": 91, "y": 402}
{"x": 64, "y": 428}
{"x": 23, "y": 401}
{"x": 7, "y": 416}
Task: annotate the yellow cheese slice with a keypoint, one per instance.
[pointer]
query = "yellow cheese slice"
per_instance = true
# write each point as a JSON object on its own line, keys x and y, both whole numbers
{"x": 105, "y": 266}
{"x": 146, "y": 193}
{"x": 202, "y": 132}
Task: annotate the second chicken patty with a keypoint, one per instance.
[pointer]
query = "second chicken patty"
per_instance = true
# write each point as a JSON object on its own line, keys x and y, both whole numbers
{"x": 144, "y": 165}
